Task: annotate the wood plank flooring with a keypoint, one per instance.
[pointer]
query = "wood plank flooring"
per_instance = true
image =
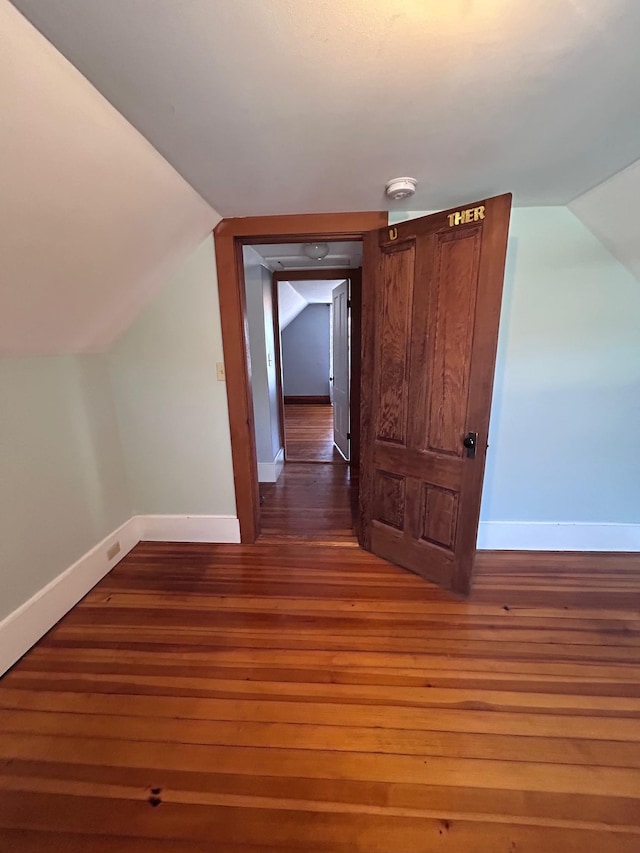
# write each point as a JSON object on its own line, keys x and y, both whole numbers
{"x": 302, "y": 697}
{"x": 309, "y": 503}
{"x": 309, "y": 433}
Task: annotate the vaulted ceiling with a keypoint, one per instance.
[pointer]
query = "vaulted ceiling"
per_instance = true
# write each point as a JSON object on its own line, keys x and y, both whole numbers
{"x": 310, "y": 105}
{"x": 610, "y": 212}
{"x": 92, "y": 219}
{"x": 272, "y": 106}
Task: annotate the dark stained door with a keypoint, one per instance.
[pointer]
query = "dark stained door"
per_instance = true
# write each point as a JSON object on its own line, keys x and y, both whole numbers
{"x": 431, "y": 300}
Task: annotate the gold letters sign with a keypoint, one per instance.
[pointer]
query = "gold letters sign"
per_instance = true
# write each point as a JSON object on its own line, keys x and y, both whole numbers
{"x": 462, "y": 217}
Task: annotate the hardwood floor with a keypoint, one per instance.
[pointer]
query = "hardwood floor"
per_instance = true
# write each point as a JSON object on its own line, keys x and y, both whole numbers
{"x": 309, "y": 502}
{"x": 301, "y": 697}
{"x": 309, "y": 434}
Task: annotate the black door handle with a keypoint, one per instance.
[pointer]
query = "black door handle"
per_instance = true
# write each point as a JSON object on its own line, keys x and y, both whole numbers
{"x": 470, "y": 441}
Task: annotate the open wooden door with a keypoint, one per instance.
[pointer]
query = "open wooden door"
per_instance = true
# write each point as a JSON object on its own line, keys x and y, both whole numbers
{"x": 430, "y": 313}
{"x": 340, "y": 368}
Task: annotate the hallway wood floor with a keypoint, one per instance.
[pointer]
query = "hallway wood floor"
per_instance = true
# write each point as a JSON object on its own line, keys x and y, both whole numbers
{"x": 301, "y": 697}
{"x": 309, "y": 502}
{"x": 309, "y": 434}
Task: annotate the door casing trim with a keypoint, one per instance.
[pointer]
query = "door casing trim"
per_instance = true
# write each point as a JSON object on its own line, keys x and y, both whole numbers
{"x": 229, "y": 236}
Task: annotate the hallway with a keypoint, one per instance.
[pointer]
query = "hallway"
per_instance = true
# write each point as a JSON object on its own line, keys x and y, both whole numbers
{"x": 309, "y": 433}
{"x": 310, "y": 501}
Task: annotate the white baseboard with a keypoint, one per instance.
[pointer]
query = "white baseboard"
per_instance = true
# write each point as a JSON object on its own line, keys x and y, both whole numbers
{"x": 26, "y": 625}
{"x": 557, "y": 536}
{"x": 31, "y": 621}
{"x": 268, "y": 472}
{"x": 189, "y": 528}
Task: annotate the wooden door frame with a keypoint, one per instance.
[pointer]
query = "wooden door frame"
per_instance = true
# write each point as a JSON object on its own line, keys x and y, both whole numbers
{"x": 229, "y": 237}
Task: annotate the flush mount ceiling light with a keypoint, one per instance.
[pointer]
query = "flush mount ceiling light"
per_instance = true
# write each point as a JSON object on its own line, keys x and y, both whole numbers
{"x": 399, "y": 188}
{"x": 316, "y": 251}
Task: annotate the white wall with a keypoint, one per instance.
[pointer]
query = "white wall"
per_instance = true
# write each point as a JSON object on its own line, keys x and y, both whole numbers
{"x": 92, "y": 222}
{"x": 172, "y": 412}
{"x": 262, "y": 363}
{"x": 134, "y": 443}
{"x": 61, "y": 469}
{"x": 274, "y": 402}
{"x": 567, "y": 402}
{"x": 566, "y": 406}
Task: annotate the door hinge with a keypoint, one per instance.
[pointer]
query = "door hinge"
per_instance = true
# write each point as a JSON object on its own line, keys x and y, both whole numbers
{"x": 348, "y": 435}
{"x": 348, "y": 303}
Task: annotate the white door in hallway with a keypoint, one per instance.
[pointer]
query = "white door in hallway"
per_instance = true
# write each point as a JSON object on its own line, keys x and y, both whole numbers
{"x": 340, "y": 367}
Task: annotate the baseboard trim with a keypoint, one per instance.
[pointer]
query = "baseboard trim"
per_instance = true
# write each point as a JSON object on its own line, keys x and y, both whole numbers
{"x": 26, "y": 625}
{"x": 312, "y": 400}
{"x": 189, "y": 528}
{"x": 20, "y": 630}
{"x": 557, "y": 536}
{"x": 31, "y": 621}
{"x": 268, "y": 472}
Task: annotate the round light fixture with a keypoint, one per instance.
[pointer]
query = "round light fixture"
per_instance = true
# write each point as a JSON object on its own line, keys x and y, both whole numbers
{"x": 399, "y": 188}
{"x": 316, "y": 251}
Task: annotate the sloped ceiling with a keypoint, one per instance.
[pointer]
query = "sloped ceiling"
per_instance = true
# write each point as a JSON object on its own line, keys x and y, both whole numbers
{"x": 294, "y": 296}
{"x": 610, "y": 211}
{"x": 312, "y": 106}
{"x": 92, "y": 219}
{"x": 317, "y": 292}
{"x": 290, "y": 303}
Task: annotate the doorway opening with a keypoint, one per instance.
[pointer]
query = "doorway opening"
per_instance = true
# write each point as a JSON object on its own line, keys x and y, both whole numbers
{"x": 230, "y": 237}
{"x": 302, "y": 326}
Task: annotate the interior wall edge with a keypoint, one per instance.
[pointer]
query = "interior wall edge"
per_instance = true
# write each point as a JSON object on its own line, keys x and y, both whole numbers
{"x": 269, "y": 472}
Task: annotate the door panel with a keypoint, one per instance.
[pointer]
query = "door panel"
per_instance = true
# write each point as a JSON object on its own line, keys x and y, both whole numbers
{"x": 431, "y": 306}
{"x": 394, "y": 345}
{"x": 389, "y": 499}
{"x": 340, "y": 368}
{"x": 450, "y": 330}
{"x": 439, "y": 515}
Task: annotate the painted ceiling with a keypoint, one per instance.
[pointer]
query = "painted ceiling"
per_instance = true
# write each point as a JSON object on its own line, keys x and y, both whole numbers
{"x": 311, "y": 105}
